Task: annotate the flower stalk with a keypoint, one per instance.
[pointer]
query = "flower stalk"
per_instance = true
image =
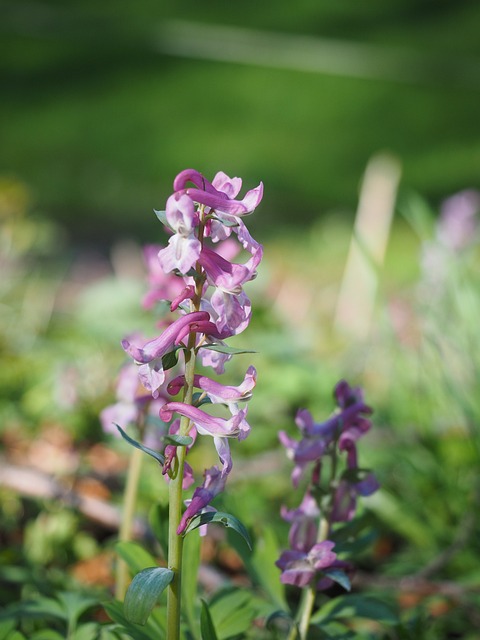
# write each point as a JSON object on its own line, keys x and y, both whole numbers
{"x": 128, "y": 516}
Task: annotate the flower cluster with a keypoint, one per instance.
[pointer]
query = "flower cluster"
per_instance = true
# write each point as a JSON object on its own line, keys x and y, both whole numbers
{"x": 196, "y": 274}
{"x": 332, "y": 488}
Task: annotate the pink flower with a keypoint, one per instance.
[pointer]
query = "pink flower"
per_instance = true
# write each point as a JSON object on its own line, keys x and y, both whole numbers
{"x": 218, "y": 198}
{"x": 303, "y": 532}
{"x": 301, "y": 568}
{"x": 207, "y": 425}
{"x": 183, "y": 247}
{"x": 213, "y": 484}
{"x": 149, "y": 357}
{"x": 217, "y": 392}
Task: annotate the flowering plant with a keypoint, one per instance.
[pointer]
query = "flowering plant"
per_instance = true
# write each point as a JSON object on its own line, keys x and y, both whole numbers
{"x": 195, "y": 272}
{"x": 330, "y": 498}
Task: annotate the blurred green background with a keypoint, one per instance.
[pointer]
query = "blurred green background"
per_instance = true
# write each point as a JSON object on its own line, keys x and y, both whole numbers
{"x": 103, "y": 103}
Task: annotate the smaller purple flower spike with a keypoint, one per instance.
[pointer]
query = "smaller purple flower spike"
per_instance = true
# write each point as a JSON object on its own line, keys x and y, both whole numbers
{"x": 213, "y": 484}
{"x": 301, "y": 569}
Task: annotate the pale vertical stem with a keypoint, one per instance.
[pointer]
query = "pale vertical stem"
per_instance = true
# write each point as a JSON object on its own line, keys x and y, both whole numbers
{"x": 175, "y": 542}
{"x": 128, "y": 515}
{"x": 175, "y": 548}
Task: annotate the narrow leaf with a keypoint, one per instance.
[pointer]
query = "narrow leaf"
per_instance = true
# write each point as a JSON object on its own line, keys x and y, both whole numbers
{"x": 158, "y": 456}
{"x": 136, "y": 557}
{"x": 233, "y": 611}
{"x": 206, "y": 624}
{"x": 162, "y": 216}
{"x": 144, "y": 591}
{"x": 221, "y": 518}
{"x": 170, "y": 359}
{"x": 222, "y": 348}
{"x": 178, "y": 441}
{"x": 115, "y": 611}
{"x": 199, "y": 398}
{"x": 261, "y": 565}
{"x": 338, "y": 576}
{"x": 356, "y": 606}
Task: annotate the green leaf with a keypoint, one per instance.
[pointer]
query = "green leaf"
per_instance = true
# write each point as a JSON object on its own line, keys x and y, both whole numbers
{"x": 87, "y": 631}
{"x": 162, "y": 216}
{"x": 279, "y": 621}
{"x": 261, "y": 566}
{"x": 158, "y": 456}
{"x": 222, "y": 348}
{"x": 178, "y": 441}
{"x": 144, "y": 591}
{"x": 116, "y": 612}
{"x": 75, "y": 604}
{"x": 136, "y": 557}
{"x": 206, "y": 624}
{"x": 233, "y": 611}
{"x": 225, "y": 221}
{"x": 170, "y": 359}
{"x": 356, "y": 606}
{"x": 34, "y": 610}
{"x": 199, "y": 398}
{"x": 338, "y": 576}
{"x": 6, "y": 626}
{"x": 221, "y": 518}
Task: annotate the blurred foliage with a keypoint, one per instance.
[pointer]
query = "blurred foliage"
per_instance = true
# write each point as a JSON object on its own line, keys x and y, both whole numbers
{"x": 62, "y": 315}
{"x": 96, "y": 117}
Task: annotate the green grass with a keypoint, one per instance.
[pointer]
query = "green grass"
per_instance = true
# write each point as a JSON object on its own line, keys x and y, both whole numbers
{"x": 97, "y": 122}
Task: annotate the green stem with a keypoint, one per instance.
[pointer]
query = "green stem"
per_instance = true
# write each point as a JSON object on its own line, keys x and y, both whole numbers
{"x": 128, "y": 515}
{"x": 308, "y": 596}
{"x": 306, "y": 607}
{"x": 175, "y": 549}
{"x": 175, "y": 542}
